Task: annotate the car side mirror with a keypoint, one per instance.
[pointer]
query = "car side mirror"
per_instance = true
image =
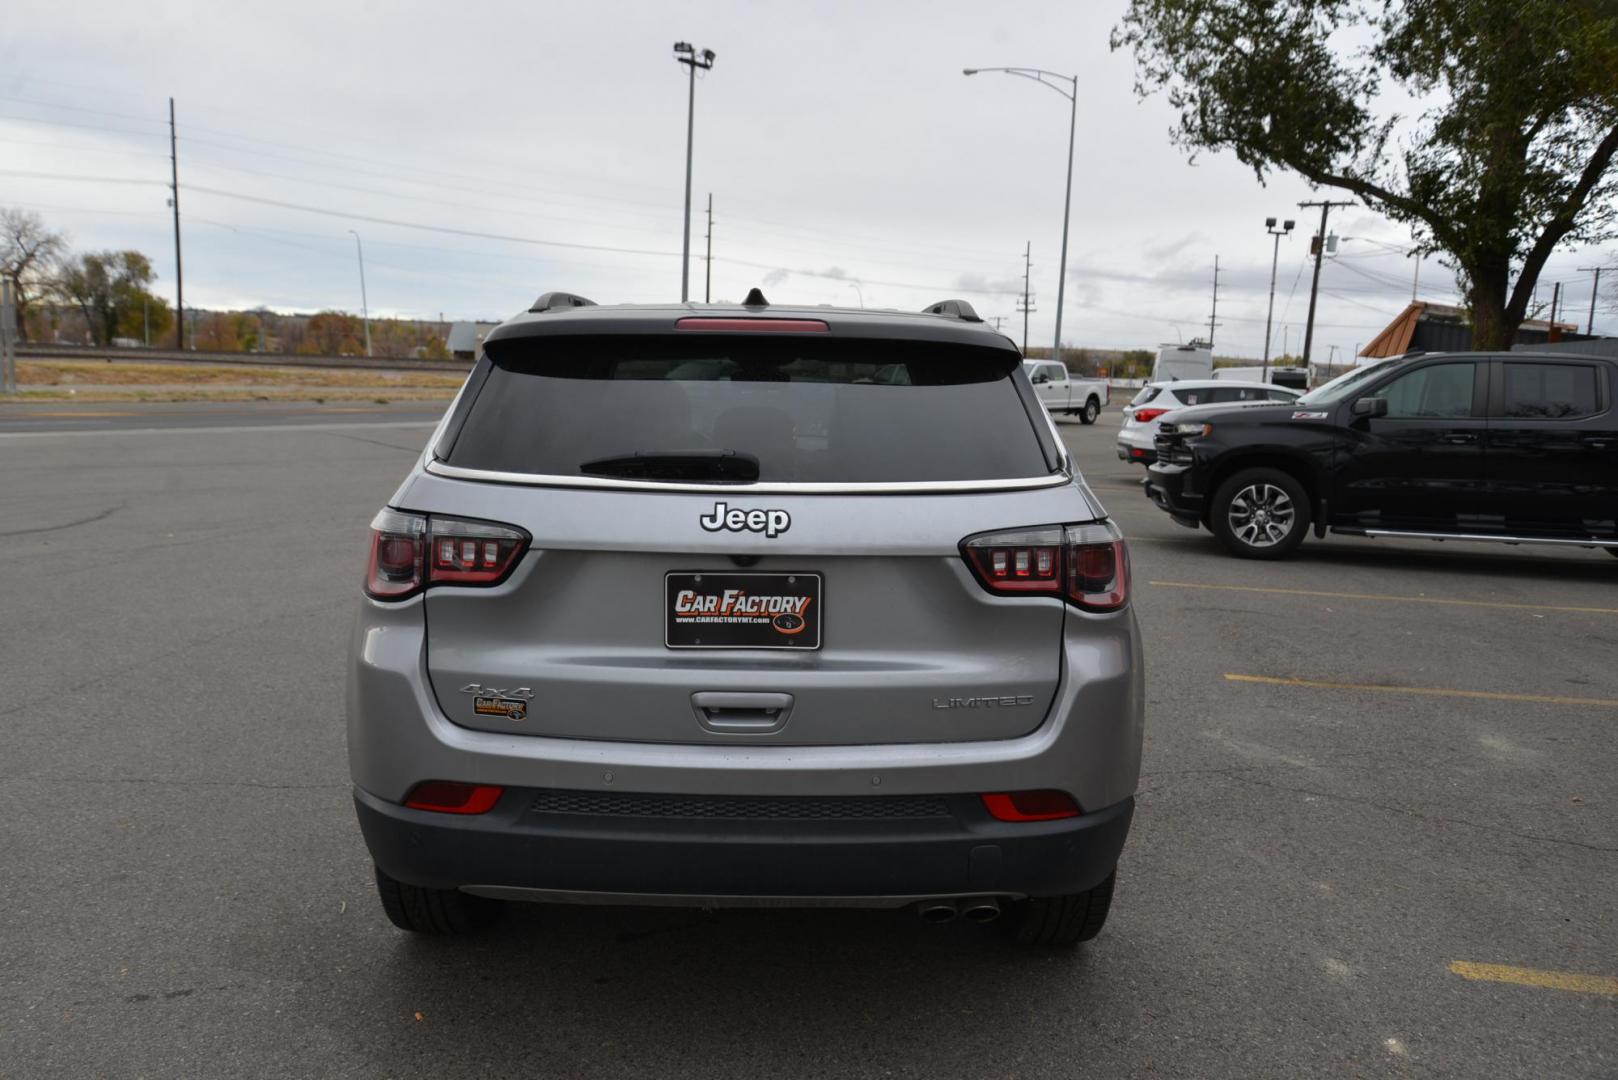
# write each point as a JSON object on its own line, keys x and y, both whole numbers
{"x": 1041, "y": 377}
{"x": 1371, "y": 406}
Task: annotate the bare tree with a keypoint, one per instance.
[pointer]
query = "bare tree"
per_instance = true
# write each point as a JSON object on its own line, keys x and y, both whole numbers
{"x": 29, "y": 254}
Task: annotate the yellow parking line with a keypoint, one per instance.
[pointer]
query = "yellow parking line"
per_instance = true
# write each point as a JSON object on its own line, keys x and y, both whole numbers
{"x": 1550, "y": 980}
{"x": 1427, "y": 691}
{"x": 1379, "y": 596}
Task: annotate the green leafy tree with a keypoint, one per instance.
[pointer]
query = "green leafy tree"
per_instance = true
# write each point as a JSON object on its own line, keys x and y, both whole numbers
{"x": 108, "y": 288}
{"x": 1136, "y": 363}
{"x": 146, "y": 315}
{"x": 1508, "y": 158}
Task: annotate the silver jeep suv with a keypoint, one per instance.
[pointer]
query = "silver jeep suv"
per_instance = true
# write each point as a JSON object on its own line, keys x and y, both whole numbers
{"x": 746, "y": 606}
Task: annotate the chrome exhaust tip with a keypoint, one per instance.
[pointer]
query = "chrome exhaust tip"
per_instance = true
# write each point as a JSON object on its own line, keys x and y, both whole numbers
{"x": 982, "y": 911}
{"x": 937, "y": 911}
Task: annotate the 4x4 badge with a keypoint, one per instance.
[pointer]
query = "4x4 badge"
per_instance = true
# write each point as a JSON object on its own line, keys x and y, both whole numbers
{"x": 771, "y": 523}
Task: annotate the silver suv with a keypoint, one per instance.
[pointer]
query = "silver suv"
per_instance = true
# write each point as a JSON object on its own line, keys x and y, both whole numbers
{"x": 746, "y": 606}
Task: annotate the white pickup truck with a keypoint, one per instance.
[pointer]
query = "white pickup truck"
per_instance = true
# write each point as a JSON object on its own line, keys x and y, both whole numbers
{"x": 1063, "y": 394}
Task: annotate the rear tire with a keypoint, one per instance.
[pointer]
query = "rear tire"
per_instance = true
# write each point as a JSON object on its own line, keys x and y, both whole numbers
{"x": 1260, "y": 514}
{"x": 440, "y": 912}
{"x": 1092, "y": 409}
{"x": 1060, "y": 920}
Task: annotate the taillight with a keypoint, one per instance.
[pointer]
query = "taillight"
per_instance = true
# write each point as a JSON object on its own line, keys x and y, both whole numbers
{"x": 396, "y": 548}
{"x": 411, "y": 552}
{"x": 1031, "y": 806}
{"x": 1146, "y": 416}
{"x": 452, "y": 797}
{"x": 1087, "y": 565}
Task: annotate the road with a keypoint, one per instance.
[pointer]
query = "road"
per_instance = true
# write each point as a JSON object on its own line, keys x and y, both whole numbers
{"x": 224, "y": 417}
{"x": 1399, "y": 859}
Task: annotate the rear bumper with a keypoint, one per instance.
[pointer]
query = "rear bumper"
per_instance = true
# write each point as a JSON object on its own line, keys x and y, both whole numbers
{"x": 516, "y": 849}
{"x": 1139, "y": 455}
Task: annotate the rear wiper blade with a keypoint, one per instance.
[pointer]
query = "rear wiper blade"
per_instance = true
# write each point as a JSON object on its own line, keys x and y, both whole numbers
{"x": 722, "y": 466}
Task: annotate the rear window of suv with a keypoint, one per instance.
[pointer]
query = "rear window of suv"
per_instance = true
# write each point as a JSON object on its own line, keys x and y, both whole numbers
{"x": 823, "y": 410}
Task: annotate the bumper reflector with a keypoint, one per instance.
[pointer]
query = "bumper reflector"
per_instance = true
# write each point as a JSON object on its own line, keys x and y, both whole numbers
{"x": 1031, "y": 806}
{"x": 450, "y": 797}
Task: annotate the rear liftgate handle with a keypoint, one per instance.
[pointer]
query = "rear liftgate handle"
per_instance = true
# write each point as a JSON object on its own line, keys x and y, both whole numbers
{"x": 730, "y": 713}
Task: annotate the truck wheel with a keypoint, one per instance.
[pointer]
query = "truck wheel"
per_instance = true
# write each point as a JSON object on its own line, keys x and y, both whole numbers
{"x": 1092, "y": 409}
{"x": 441, "y": 912}
{"x": 1060, "y": 920}
{"x": 1260, "y": 514}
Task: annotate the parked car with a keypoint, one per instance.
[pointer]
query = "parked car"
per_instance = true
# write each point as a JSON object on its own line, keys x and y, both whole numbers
{"x": 1141, "y": 415}
{"x": 717, "y": 606}
{"x": 1065, "y": 394}
{"x": 1516, "y": 448}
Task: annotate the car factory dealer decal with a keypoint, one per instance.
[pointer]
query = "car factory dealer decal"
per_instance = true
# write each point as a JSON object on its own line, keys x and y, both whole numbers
{"x": 743, "y": 611}
{"x": 492, "y": 701}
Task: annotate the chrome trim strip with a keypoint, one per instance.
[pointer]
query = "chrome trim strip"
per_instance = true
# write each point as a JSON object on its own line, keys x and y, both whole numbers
{"x": 1395, "y": 534}
{"x": 490, "y": 476}
{"x": 628, "y": 899}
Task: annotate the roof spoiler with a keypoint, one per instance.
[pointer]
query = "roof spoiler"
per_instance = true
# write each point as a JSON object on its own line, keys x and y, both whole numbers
{"x": 552, "y": 301}
{"x": 955, "y": 309}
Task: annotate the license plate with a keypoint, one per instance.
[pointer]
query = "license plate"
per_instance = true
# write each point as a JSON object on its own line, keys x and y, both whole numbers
{"x": 742, "y": 611}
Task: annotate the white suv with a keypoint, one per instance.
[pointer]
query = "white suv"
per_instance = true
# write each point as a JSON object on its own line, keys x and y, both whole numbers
{"x": 1142, "y": 414}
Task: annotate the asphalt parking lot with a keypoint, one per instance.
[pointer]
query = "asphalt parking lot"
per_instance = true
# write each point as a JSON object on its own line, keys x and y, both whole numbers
{"x": 1377, "y": 833}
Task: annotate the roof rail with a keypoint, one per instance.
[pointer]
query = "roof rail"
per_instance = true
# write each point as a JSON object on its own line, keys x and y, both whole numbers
{"x": 957, "y": 309}
{"x": 552, "y": 300}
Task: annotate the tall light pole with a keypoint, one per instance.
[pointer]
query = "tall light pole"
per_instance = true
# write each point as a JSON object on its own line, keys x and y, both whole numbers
{"x": 1275, "y": 257}
{"x": 365, "y": 304}
{"x": 688, "y": 54}
{"x": 1072, "y": 94}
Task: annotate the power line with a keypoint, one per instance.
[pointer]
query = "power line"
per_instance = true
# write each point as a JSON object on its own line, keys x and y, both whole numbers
{"x": 396, "y": 173}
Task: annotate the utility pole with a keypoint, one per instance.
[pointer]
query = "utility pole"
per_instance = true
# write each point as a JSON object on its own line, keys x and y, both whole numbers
{"x": 707, "y": 278}
{"x": 1214, "y": 314}
{"x": 1415, "y": 280}
{"x": 997, "y": 320}
{"x": 1027, "y": 299}
{"x": 8, "y": 336}
{"x": 691, "y": 57}
{"x": 1590, "y": 327}
{"x": 1556, "y": 298}
{"x": 174, "y": 201}
{"x": 1314, "y": 285}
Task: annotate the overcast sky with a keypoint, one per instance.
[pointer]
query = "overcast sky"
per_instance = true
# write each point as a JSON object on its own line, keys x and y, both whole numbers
{"x": 841, "y": 143}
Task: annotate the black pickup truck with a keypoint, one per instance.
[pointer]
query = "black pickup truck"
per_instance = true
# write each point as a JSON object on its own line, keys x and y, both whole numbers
{"x": 1514, "y": 447}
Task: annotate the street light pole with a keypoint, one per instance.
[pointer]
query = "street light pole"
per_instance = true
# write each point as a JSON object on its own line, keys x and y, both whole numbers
{"x": 365, "y": 303}
{"x": 1040, "y": 76}
{"x": 687, "y": 54}
{"x": 1275, "y": 258}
